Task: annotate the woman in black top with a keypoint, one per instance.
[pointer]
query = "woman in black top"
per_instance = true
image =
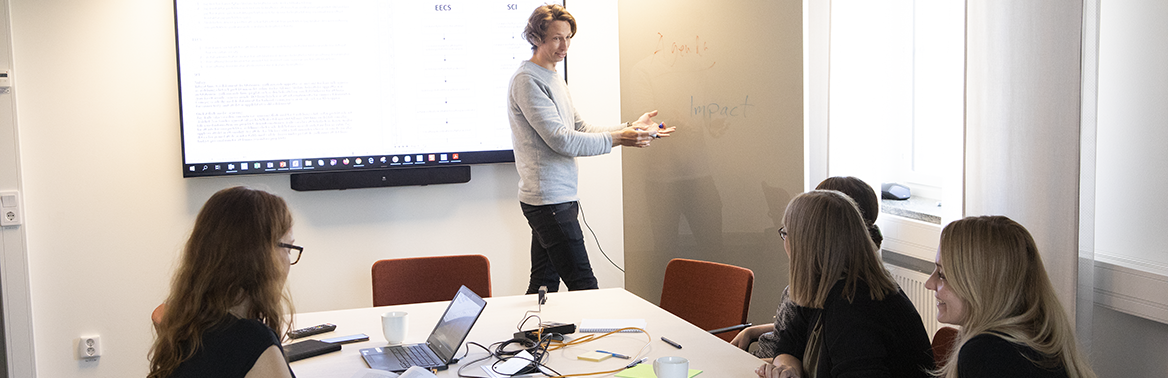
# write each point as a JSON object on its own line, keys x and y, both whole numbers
{"x": 867, "y": 327}
{"x": 990, "y": 280}
{"x": 767, "y": 335}
{"x": 227, "y": 300}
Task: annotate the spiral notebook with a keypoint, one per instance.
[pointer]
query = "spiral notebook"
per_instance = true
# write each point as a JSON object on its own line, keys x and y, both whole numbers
{"x": 609, "y": 325}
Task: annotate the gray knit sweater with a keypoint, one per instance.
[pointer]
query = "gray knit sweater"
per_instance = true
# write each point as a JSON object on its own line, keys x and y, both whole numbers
{"x": 548, "y": 134}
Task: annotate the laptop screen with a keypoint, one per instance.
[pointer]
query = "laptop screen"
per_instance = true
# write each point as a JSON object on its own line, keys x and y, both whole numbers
{"x": 455, "y": 324}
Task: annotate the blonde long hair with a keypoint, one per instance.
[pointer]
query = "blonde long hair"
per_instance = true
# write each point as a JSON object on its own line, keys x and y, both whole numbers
{"x": 992, "y": 264}
{"x": 231, "y": 258}
{"x": 829, "y": 240}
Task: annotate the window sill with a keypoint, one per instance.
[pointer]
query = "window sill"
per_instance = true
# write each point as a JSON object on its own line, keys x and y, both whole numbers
{"x": 1130, "y": 286}
{"x": 917, "y": 208}
{"x": 908, "y": 236}
{"x": 912, "y": 231}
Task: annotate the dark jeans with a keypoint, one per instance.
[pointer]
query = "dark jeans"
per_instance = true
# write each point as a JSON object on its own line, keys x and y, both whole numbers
{"x": 557, "y": 248}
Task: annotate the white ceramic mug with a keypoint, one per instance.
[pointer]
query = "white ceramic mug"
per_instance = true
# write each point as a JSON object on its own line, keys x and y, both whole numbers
{"x": 394, "y": 326}
{"x": 671, "y": 367}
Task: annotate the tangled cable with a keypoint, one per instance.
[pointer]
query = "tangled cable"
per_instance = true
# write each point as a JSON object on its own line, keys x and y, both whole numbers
{"x": 538, "y": 349}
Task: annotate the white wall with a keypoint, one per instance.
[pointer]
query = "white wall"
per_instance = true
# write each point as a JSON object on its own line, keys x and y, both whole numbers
{"x": 13, "y": 282}
{"x": 1129, "y": 334}
{"x": 1132, "y": 161}
{"x": 107, "y": 209}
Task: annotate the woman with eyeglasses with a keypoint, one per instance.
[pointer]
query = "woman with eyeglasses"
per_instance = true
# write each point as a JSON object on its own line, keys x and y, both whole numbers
{"x": 852, "y": 319}
{"x": 767, "y": 335}
{"x": 227, "y": 302}
{"x": 990, "y": 281}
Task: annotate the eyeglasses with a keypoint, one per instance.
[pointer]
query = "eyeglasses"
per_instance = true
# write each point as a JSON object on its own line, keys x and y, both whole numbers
{"x": 783, "y": 233}
{"x": 291, "y": 248}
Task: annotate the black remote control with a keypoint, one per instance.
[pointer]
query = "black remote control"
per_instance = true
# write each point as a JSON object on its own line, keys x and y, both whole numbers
{"x": 309, "y": 331}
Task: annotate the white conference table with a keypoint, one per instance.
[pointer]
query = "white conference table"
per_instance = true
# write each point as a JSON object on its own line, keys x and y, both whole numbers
{"x": 714, "y": 356}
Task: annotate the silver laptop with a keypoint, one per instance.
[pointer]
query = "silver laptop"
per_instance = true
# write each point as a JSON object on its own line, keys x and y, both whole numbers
{"x": 439, "y": 348}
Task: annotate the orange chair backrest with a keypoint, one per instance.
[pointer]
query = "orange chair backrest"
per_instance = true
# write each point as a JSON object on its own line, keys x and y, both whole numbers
{"x": 943, "y": 344}
{"x": 429, "y": 279}
{"x": 708, "y": 294}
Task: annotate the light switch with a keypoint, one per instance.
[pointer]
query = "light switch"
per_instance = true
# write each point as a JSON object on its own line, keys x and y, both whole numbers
{"x": 10, "y": 209}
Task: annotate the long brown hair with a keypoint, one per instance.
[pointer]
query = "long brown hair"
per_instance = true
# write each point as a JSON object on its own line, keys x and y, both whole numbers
{"x": 992, "y": 264}
{"x": 230, "y": 259}
{"x": 829, "y": 241}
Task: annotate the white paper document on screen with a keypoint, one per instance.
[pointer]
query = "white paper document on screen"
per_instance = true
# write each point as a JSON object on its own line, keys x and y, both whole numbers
{"x": 345, "y": 77}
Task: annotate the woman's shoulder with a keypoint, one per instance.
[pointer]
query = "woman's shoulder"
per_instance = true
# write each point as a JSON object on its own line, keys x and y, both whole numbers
{"x": 244, "y": 331}
{"x": 989, "y": 355}
{"x": 986, "y": 346}
{"x": 259, "y": 329}
{"x": 229, "y": 349}
{"x": 862, "y": 296}
{"x": 252, "y": 325}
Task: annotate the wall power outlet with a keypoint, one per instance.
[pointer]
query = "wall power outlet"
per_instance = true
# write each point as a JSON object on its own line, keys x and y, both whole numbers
{"x": 89, "y": 347}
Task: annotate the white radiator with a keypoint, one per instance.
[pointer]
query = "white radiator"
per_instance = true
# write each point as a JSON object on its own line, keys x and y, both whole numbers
{"x": 913, "y": 284}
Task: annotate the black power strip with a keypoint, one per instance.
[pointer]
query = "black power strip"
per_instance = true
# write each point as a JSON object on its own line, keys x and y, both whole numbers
{"x": 548, "y": 328}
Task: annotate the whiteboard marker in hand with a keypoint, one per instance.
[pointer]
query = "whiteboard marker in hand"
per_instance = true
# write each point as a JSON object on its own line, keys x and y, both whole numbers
{"x": 660, "y": 126}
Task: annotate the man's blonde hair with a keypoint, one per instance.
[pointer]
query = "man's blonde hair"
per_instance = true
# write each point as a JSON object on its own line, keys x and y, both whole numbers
{"x": 542, "y": 18}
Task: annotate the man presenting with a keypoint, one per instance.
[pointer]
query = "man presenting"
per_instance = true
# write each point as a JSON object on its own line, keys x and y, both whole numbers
{"x": 548, "y": 134}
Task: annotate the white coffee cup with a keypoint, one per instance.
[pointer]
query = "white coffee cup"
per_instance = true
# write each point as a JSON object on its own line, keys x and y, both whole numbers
{"x": 394, "y": 326}
{"x": 671, "y": 367}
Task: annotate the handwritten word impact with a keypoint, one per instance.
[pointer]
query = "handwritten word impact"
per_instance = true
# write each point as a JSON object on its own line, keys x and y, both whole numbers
{"x": 715, "y": 109}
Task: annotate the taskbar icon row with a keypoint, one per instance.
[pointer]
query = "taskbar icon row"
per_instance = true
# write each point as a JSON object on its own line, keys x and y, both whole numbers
{"x": 341, "y": 163}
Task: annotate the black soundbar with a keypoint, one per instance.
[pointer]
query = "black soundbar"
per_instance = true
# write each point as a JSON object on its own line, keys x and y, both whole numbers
{"x": 378, "y": 178}
{"x": 549, "y": 328}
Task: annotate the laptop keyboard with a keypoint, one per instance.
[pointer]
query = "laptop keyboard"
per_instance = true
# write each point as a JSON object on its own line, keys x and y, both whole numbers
{"x": 415, "y": 355}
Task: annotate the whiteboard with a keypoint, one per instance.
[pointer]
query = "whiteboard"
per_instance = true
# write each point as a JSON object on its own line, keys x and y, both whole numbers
{"x": 729, "y": 76}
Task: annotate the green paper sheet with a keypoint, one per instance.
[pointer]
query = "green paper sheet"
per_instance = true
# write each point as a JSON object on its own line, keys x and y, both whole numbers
{"x": 645, "y": 370}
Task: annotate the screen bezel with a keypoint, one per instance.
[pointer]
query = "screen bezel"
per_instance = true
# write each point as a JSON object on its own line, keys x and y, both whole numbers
{"x": 303, "y": 164}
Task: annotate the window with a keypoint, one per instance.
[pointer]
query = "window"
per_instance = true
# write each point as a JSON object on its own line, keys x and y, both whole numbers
{"x": 896, "y": 108}
{"x": 896, "y": 95}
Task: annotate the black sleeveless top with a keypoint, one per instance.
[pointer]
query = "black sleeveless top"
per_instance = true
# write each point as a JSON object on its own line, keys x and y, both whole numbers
{"x": 863, "y": 337}
{"x": 230, "y": 350}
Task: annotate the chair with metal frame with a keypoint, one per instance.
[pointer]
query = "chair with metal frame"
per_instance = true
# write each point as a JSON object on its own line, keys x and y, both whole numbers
{"x": 713, "y": 296}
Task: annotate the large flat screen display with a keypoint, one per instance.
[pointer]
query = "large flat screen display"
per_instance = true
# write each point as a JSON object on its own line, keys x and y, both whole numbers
{"x": 305, "y": 86}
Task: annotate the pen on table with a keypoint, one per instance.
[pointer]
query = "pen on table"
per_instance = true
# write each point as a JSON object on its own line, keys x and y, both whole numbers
{"x": 670, "y": 342}
{"x": 617, "y": 355}
{"x": 637, "y": 362}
